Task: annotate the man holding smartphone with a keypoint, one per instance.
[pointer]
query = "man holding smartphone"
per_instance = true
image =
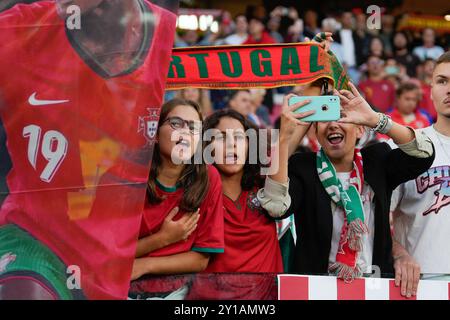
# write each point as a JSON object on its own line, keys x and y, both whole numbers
{"x": 341, "y": 195}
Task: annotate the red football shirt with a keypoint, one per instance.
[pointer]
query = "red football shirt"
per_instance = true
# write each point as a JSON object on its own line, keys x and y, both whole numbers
{"x": 80, "y": 143}
{"x": 419, "y": 122}
{"x": 380, "y": 94}
{"x": 265, "y": 39}
{"x": 208, "y": 237}
{"x": 251, "y": 242}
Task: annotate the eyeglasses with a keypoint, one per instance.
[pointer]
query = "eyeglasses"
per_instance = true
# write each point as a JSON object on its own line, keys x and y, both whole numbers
{"x": 176, "y": 123}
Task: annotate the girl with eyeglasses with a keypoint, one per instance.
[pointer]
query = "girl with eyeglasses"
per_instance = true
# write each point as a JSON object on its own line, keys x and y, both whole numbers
{"x": 182, "y": 225}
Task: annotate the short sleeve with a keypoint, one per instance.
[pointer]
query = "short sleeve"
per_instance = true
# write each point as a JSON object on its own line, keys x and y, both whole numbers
{"x": 210, "y": 235}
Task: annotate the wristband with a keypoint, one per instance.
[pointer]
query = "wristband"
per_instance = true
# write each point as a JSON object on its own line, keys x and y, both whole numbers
{"x": 384, "y": 124}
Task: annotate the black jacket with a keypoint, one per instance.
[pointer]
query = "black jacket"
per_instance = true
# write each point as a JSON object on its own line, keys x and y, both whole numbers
{"x": 384, "y": 169}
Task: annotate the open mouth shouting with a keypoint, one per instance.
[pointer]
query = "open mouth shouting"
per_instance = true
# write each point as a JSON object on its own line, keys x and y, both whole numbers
{"x": 335, "y": 139}
{"x": 231, "y": 158}
{"x": 182, "y": 150}
{"x": 183, "y": 143}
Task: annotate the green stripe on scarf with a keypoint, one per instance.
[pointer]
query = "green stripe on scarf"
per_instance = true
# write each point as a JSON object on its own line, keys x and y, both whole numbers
{"x": 351, "y": 242}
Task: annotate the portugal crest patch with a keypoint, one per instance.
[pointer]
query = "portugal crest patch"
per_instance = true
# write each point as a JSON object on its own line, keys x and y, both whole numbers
{"x": 253, "y": 202}
{"x": 148, "y": 125}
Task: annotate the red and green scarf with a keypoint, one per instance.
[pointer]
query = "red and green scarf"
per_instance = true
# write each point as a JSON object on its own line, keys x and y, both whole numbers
{"x": 253, "y": 66}
{"x": 354, "y": 228}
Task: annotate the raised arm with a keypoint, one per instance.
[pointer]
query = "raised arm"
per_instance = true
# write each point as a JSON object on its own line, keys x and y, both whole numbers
{"x": 274, "y": 197}
{"x": 290, "y": 123}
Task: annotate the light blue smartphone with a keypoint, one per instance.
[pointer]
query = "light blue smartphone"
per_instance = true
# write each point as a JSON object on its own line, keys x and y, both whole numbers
{"x": 328, "y": 108}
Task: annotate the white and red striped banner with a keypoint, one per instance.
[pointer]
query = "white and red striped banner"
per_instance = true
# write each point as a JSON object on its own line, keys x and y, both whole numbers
{"x": 299, "y": 287}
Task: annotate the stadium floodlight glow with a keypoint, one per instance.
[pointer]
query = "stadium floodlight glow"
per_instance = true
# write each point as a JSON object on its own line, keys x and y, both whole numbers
{"x": 194, "y": 22}
{"x": 188, "y": 22}
{"x": 205, "y": 21}
{"x": 215, "y": 27}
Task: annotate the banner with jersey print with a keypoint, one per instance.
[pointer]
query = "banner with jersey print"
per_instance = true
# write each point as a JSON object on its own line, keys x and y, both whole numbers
{"x": 81, "y": 86}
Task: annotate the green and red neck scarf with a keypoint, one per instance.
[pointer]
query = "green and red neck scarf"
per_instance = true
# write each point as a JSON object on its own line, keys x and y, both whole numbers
{"x": 253, "y": 66}
{"x": 351, "y": 240}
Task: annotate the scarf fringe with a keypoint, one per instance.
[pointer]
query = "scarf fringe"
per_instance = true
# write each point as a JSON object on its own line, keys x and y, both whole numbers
{"x": 345, "y": 272}
{"x": 356, "y": 229}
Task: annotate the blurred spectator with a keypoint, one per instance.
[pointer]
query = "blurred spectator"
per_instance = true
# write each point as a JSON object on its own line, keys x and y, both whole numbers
{"x": 428, "y": 49}
{"x": 330, "y": 25}
{"x": 249, "y": 104}
{"x": 226, "y": 22}
{"x": 257, "y": 33}
{"x": 426, "y": 78}
{"x": 378, "y": 91}
{"x": 295, "y": 32}
{"x": 241, "y": 34}
{"x": 226, "y": 27}
{"x": 392, "y": 72}
{"x": 200, "y": 96}
{"x": 279, "y": 12}
{"x": 189, "y": 38}
{"x": 291, "y": 26}
{"x": 260, "y": 114}
{"x": 274, "y": 25}
{"x": 402, "y": 54}
{"x": 406, "y": 111}
{"x": 346, "y": 36}
{"x": 240, "y": 101}
{"x": 387, "y": 33}
{"x": 376, "y": 48}
{"x": 213, "y": 38}
{"x": 311, "y": 27}
{"x": 362, "y": 39}
{"x": 427, "y": 70}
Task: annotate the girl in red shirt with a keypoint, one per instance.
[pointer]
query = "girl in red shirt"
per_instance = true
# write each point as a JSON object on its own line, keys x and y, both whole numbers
{"x": 251, "y": 243}
{"x": 182, "y": 225}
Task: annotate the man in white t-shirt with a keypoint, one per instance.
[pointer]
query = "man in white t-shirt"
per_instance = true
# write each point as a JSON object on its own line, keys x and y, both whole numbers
{"x": 422, "y": 206}
{"x": 346, "y": 35}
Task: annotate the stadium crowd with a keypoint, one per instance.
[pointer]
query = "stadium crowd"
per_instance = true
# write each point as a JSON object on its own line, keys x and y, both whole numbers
{"x": 386, "y": 64}
{"x": 393, "y": 71}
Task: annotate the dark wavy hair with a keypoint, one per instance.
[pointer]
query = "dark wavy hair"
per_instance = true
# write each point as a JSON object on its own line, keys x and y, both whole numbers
{"x": 194, "y": 177}
{"x": 251, "y": 176}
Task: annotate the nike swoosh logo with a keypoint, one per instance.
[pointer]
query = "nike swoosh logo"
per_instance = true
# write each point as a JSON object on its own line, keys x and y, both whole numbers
{"x": 36, "y": 102}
